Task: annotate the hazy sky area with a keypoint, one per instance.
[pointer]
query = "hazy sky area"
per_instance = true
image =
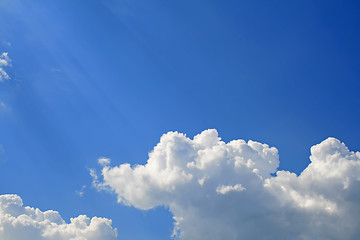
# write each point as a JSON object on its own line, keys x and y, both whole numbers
{"x": 193, "y": 120}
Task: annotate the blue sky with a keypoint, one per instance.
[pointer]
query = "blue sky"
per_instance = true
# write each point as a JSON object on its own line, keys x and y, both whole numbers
{"x": 106, "y": 78}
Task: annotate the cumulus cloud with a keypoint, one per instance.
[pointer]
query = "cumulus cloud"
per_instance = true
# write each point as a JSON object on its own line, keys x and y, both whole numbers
{"x": 4, "y": 62}
{"x": 217, "y": 190}
{"x": 18, "y": 223}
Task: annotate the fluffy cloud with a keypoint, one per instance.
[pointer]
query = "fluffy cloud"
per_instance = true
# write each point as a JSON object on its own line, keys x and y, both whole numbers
{"x": 218, "y": 190}
{"x": 226, "y": 189}
{"x": 4, "y": 62}
{"x": 18, "y": 223}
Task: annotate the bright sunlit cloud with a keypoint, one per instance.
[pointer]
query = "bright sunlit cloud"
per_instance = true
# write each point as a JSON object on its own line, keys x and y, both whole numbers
{"x": 4, "y": 62}
{"x": 18, "y": 223}
{"x": 218, "y": 190}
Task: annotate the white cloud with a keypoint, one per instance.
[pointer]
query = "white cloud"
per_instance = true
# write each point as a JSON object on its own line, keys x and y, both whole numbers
{"x": 18, "y": 223}
{"x": 4, "y": 59}
{"x": 81, "y": 192}
{"x": 4, "y": 62}
{"x": 226, "y": 189}
{"x": 218, "y": 190}
{"x": 104, "y": 161}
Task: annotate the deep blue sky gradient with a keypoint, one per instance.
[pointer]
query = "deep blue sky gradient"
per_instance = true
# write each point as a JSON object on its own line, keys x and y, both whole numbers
{"x": 108, "y": 78}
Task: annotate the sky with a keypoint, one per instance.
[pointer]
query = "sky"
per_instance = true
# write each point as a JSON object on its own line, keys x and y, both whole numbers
{"x": 128, "y": 117}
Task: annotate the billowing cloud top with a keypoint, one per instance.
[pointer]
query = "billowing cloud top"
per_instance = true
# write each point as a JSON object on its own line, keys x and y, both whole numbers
{"x": 218, "y": 190}
{"x": 19, "y": 223}
{"x": 4, "y": 62}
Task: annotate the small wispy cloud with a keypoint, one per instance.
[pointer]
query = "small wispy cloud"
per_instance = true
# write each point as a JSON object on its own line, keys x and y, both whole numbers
{"x": 104, "y": 161}
{"x": 96, "y": 183}
{"x": 6, "y": 43}
{"x": 55, "y": 70}
{"x": 4, "y": 106}
{"x": 5, "y": 61}
{"x": 81, "y": 192}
